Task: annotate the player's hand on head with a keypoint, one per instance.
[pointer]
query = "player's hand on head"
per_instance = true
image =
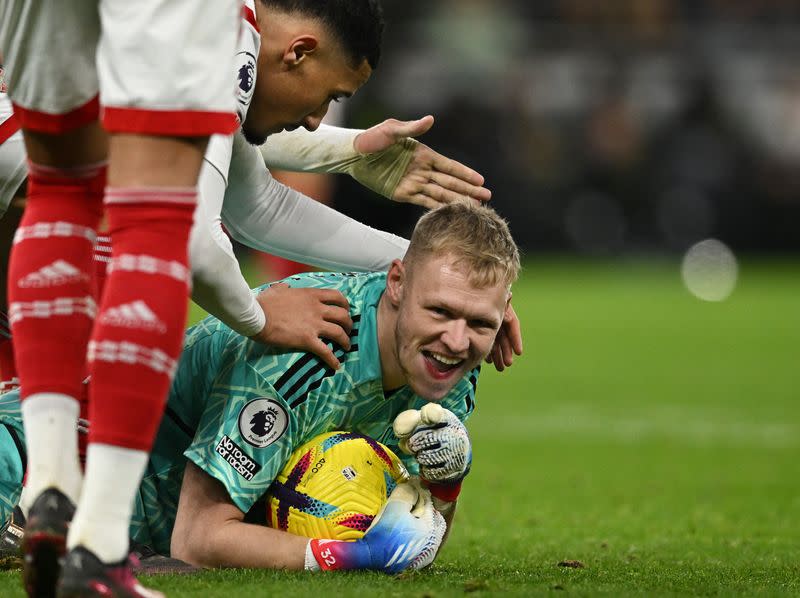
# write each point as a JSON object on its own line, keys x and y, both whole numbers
{"x": 300, "y": 318}
{"x": 429, "y": 178}
{"x": 406, "y": 534}
{"x": 439, "y": 442}
{"x": 508, "y": 341}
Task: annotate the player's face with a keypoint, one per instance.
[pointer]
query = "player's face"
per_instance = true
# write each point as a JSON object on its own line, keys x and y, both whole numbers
{"x": 446, "y": 325}
{"x": 288, "y": 98}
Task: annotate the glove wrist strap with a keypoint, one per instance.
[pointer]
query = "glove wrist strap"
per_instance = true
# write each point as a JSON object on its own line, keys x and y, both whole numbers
{"x": 311, "y": 563}
{"x": 339, "y": 554}
{"x": 444, "y": 492}
{"x": 324, "y": 554}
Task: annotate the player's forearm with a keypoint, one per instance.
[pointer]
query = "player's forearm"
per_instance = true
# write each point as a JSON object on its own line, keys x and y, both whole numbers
{"x": 332, "y": 149}
{"x": 243, "y": 545}
{"x": 217, "y": 282}
{"x": 209, "y": 530}
{"x": 228, "y": 297}
{"x": 264, "y": 214}
{"x": 448, "y": 511}
{"x": 305, "y": 231}
{"x": 328, "y": 149}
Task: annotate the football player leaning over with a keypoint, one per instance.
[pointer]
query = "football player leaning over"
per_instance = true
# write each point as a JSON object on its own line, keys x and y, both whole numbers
{"x": 419, "y": 336}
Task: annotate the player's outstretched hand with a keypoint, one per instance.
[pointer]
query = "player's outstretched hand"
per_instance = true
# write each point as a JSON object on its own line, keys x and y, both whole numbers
{"x": 429, "y": 178}
{"x": 299, "y": 318}
{"x": 507, "y": 343}
{"x": 406, "y": 534}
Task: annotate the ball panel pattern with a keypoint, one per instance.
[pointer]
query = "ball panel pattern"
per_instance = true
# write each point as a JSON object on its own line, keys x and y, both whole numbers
{"x": 333, "y": 486}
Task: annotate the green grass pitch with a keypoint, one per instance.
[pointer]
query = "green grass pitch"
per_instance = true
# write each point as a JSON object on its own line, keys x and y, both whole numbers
{"x": 649, "y": 436}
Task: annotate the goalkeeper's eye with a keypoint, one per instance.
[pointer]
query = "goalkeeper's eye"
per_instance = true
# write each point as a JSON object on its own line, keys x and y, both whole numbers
{"x": 481, "y": 325}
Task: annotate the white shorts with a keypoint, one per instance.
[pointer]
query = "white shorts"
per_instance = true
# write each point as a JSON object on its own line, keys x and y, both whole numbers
{"x": 162, "y": 67}
{"x": 13, "y": 165}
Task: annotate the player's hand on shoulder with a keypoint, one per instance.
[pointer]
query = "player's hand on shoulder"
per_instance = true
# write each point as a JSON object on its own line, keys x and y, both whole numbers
{"x": 429, "y": 179}
{"x": 406, "y": 534}
{"x": 300, "y": 318}
{"x": 507, "y": 343}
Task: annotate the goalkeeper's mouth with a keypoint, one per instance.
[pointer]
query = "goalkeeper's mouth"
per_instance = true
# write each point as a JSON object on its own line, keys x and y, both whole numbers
{"x": 441, "y": 365}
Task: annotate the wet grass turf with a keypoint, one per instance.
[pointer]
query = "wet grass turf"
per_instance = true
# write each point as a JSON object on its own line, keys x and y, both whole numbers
{"x": 647, "y": 435}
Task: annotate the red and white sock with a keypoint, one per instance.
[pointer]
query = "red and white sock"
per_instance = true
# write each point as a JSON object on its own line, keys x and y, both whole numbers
{"x": 102, "y": 262}
{"x": 105, "y": 529}
{"x": 51, "y": 309}
{"x": 133, "y": 354}
{"x": 8, "y": 367}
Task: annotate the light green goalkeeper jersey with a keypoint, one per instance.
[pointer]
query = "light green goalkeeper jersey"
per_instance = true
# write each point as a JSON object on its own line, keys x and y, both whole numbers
{"x": 238, "y": 409}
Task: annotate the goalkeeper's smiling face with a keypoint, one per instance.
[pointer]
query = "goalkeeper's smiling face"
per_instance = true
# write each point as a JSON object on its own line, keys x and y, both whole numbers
{"x": 445, "y": 325}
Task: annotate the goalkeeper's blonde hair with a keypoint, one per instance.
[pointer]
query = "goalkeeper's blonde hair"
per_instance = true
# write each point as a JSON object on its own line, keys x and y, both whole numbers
{"x": 474, "y": 235}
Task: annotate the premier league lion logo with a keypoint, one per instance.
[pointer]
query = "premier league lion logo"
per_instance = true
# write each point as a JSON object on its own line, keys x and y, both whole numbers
{"x": 246, "y": 76}
{"x": 261, "y": 423}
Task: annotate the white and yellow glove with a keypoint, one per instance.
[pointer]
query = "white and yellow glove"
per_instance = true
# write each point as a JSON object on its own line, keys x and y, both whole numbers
{"x": 440, "y": 443}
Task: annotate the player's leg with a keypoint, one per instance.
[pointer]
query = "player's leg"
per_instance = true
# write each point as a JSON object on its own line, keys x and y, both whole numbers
{"x": 51, "y": 312}
{"x": 161, "y": 103}
{"x": 49, "y": 52}
{"x": 13, "y": 169}
{"x": 8, "y": 225}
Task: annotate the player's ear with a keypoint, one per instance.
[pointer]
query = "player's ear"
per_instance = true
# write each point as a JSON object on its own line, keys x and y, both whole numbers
{"x": 395, "y": 282}
{"x": 299, "y": 48}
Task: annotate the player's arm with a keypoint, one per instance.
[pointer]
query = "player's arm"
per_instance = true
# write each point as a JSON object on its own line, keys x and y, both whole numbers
{"x": 264, "y": 214}
{"x": 217, "y": 282}
{"x": 220, "y": 288}
{"x": 210, "y": 531}
{"x": 384, "y": 158}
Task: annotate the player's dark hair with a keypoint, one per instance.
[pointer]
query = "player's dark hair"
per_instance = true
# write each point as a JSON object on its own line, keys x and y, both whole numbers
{"x": 356, "y": 24}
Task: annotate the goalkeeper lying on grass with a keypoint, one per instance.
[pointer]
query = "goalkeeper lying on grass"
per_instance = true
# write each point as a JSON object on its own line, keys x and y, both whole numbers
{"x": 237, "y": 409}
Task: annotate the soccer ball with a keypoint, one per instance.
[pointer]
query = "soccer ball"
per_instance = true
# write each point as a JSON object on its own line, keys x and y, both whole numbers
{"x": 333, "y": 486}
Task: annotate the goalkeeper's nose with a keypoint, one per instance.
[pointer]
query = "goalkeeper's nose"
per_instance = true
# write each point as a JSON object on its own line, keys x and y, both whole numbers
{"x": 456, "y": 336}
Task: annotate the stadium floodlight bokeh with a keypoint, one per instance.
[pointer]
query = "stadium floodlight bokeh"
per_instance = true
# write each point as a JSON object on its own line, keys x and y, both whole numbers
{"x": 709, "y": 270}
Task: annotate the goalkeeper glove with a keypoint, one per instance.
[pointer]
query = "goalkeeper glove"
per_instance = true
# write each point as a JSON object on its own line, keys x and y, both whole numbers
{"x": 406, "y": 534}
{"x": 440, "y": 443}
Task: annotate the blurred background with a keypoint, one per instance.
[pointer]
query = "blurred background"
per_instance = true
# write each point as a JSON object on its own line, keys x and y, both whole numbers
{"x": 602, "y": 126}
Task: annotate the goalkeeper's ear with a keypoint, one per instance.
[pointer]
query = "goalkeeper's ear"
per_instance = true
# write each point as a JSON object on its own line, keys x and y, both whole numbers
{"x": 395, "y": 282}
